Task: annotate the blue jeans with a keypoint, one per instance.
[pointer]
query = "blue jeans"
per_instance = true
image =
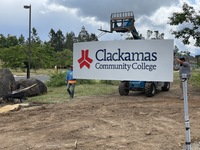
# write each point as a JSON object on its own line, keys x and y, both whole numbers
{"x": 70, "y": 89}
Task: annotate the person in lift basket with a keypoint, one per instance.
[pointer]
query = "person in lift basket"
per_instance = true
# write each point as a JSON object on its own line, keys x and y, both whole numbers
{"x": 71, "y": 82}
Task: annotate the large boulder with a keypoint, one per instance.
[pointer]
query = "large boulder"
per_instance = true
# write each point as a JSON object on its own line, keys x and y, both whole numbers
{"x": 7, "y": 82}
{"x": 39, "y": 89}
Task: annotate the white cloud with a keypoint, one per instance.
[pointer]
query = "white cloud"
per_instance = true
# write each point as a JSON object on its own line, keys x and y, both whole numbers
{"x": 161, "y": 16}
{"x": 58, "y": 8}
{"x": 71, "y": 15}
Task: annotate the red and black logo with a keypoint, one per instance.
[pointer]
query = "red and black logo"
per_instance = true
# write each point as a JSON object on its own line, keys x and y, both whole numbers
{"x": 85, "y": 60}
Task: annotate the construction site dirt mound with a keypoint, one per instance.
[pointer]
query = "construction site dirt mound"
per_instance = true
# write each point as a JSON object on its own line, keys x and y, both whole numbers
{"x": 109, "y": 122}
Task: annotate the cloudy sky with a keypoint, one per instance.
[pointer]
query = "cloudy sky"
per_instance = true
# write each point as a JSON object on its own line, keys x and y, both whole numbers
{"x": 71, "y": 15}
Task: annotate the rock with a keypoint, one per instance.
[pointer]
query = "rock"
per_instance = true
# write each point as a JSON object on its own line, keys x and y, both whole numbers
{"x": 142, "y": 113}
{"x": 7, "y": 82}
{"x": 148, "y": 133}
{"x": 39, "y": 89}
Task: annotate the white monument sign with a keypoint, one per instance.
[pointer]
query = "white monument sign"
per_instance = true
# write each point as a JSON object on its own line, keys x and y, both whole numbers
{"x": 141, "y": 60}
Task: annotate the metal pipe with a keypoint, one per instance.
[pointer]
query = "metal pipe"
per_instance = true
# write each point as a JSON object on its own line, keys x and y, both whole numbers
{"x": 187, "y": 122}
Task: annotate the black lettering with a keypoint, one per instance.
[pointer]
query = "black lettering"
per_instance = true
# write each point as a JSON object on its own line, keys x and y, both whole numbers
{"x": 137, "y": 55}
{"x": 133, "y": 65}
{"x": 127, "y": 57}
{"x": 109, "y": 57}
{"x": 147, "y": 56}
{"x": 154, "y": 56}
{"x": 98, "y": 53}
{"x": 120, "y": 55}
{"x": 113, "y": 57}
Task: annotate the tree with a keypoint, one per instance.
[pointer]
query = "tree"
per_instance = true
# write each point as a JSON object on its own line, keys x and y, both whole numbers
{"x": 156, "y": 35}
{"x": 198, "y": 59}
{"x": 12, "y": 40}
{"x": 42, "y": 57}
{"x": 176, "y": 53}
{"x": 21, "y": 40}
{"x": 188, "y": 22}
{"x": 70, "y": 39}
{"x": 52, "y": 37}
{"x": 14, "y": 57}
{"x": 64, "y": 58}
{"x": 8, "y": 41}
{"x": 93, "y": 37}
{"x": 59, "y": 41}
{"x": 35, "y": 39}
{"x": 3, "y": 41}
{"x": 56, "y": 40}
{"x": 83, "y": 35}
{"x": 57, "y": 51}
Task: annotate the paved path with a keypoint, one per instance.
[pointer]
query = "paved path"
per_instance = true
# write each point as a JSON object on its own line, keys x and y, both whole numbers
{"x": 42, "y": 78}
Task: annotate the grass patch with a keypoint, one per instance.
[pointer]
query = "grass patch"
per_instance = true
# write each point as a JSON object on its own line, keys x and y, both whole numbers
{"x": 195, "y": 79}
{"x": 176, "y": 78}
{"x": 59, "y": 94}
{"x": 96, "y": 89}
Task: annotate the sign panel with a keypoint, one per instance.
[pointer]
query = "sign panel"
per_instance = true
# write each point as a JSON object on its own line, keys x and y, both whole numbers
{"x": 141, "y": 60}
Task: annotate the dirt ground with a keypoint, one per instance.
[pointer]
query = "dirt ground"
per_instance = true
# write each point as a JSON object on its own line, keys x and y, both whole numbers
{"x": 110, "y": 122}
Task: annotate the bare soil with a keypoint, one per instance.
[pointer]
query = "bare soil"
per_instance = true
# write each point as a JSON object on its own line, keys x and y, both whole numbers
{"x": 109, "y": 122}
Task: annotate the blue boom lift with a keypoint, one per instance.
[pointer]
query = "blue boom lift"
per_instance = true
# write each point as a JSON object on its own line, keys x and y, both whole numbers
{"x": 124, "y": 22}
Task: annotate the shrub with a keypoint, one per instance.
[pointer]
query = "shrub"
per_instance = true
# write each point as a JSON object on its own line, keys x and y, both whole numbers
{"x": 57, "y": 79}
{"x": 109, "y": 82}
{"x": 86, "y": 81}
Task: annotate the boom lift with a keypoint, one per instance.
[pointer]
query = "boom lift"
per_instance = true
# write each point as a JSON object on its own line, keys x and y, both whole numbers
{"x": 124, "y": 22}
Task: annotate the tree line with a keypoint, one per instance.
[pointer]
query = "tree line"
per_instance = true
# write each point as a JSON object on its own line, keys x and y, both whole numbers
{"x": 55, "y": 52}
{"x": 59, "y": 49}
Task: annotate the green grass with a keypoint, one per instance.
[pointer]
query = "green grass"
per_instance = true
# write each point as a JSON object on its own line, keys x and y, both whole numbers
{"x": 176, "y": 77}
{"x": 59, "y": 94}
{"x": 195, "y": 79}
{"x": 176, "y": 74}
{"x": 96, "y": 89}
{"x": 195, "y": 72}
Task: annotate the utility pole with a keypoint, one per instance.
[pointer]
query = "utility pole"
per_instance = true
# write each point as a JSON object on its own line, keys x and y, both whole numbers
{"x": 29, "y": 40}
